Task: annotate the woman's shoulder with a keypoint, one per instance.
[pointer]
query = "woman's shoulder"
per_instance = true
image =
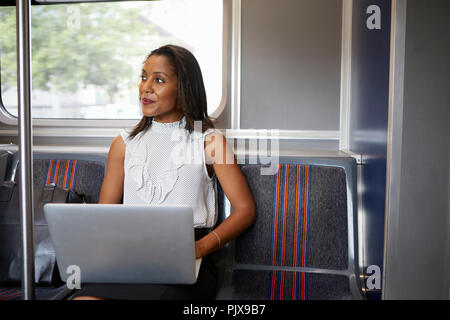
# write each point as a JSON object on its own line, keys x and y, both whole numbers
{"x": 211, "y": 136}
{"x": 117, "y": 148}
{"x": 212, "y": 132}
{"x": 125, "y": 135}
{"x": 216, "y": 147}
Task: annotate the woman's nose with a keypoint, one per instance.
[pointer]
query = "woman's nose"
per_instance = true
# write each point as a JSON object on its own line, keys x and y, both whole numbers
{"x": 148, "y": 87}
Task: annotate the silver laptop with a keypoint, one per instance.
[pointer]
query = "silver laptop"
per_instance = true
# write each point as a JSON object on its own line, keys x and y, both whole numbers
{"x": 116, "y": 243}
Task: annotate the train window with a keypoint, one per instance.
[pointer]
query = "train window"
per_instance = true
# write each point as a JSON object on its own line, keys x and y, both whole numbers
{"x": 86, "y": 57}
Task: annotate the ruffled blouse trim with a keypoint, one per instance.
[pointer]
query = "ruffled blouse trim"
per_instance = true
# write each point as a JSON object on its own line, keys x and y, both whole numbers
{"x": 138, "y": 169}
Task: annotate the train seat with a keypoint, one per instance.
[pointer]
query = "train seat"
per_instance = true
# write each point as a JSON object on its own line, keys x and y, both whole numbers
{"x": 303, "y": 242}
{"x": 81, "y": 173}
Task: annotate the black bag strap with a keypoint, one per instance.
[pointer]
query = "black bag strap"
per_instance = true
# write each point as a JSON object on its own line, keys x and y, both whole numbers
{"x": 11, "y": 174}
{"x": 47, "y": 192}
{"x": 4, "y": 159}
{"x": 9, "y": 182}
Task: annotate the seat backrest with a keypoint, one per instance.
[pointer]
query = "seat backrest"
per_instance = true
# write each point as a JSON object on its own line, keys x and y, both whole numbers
{"x": 82, "y": 173}
{"x": 303, "y": 242}
{"x": 301, "y": 218}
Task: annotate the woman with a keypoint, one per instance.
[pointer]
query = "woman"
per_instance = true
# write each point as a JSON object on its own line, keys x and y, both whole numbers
{"x": 144, "y": 166}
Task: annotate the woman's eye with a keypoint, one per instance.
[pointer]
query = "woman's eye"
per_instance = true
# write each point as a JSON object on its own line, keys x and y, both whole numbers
{"x": 143, "y": 78}
{"x": 159, "y": 80}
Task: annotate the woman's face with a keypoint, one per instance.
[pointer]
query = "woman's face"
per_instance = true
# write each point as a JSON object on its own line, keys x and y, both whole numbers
{"x": 158, "y": 90}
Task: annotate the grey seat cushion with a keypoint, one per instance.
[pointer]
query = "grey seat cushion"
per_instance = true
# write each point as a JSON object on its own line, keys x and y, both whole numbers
{"x": 273, "y": 285}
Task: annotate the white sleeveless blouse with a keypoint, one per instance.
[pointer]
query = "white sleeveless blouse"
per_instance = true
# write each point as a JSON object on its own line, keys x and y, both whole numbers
{"x": 166, "y": 165}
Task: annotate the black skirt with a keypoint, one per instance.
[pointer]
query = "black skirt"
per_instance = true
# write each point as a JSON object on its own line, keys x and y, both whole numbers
{"x": 204, "y": 289}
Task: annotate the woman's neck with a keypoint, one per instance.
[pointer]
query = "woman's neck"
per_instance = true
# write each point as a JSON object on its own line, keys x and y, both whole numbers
{"x": 168, "y": 118}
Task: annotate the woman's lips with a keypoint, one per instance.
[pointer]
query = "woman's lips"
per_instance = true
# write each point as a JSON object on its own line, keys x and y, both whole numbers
{"x": 146, "y": 101}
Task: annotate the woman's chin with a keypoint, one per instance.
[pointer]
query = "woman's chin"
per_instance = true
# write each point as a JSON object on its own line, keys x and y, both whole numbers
{"x": 148, "y": 112}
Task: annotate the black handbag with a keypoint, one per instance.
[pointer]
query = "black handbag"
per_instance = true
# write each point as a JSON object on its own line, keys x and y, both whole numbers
{"x": 46, "y": 272}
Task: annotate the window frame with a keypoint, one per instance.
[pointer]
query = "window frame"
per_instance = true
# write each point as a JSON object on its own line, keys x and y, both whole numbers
{"x": 46, "y": 126}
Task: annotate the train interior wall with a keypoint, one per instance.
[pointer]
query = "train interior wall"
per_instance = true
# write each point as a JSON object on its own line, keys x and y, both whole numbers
{"x": 417, "y": 245}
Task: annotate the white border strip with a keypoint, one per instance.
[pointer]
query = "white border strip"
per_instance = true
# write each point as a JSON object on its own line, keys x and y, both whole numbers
{"x": 282, "y": 134}
{"x": 346, "y": 68}
{"x": 229, "y": 133}
{"x": 225, "y": 41}
{"x": 236, "y": 65}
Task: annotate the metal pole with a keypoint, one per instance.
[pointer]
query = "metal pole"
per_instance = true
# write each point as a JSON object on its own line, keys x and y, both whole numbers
{"x": 25, "y": 145}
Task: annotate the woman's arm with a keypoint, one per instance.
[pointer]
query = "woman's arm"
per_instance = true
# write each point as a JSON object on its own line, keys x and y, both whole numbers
{"x": 112, "y": 187}
{"x": 237, "y": 191}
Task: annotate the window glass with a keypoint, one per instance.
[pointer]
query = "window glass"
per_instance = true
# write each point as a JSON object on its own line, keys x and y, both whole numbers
{"x": 86, "y": 58}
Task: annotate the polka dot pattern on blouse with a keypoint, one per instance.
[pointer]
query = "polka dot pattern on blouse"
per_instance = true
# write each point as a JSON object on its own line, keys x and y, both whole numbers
{"x": 166, "y": 165}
